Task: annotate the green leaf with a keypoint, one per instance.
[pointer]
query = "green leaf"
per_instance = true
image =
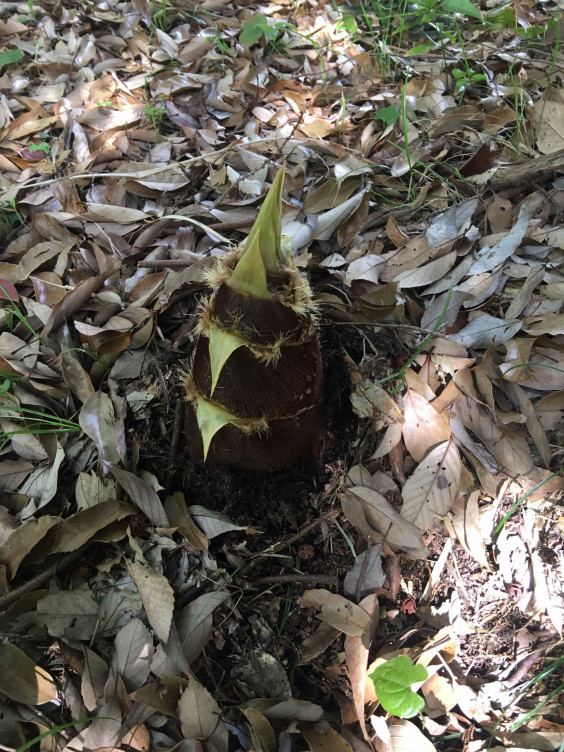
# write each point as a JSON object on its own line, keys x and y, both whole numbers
{"x": 45, "y": 148}
{"x": 460, "y": 6}
{"x": 253, "y": 29}
{"x": 424, "y": 47}
{"x": 392, "y": 684}
{"x": 389, "y": 115}
{"x": 10, "y": 56}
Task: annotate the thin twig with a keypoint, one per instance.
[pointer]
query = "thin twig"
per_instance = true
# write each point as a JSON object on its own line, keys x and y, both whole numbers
{"x": 304, "y": 579}
{"x": 178, "y": 413}
{"x": 289, "y": 541}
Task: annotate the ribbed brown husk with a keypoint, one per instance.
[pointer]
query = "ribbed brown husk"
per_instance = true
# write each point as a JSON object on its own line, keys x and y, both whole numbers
{"x": 281, "y": 393}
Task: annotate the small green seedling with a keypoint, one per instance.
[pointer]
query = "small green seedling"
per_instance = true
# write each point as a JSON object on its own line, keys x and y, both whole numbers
{"x": 392, "y": 684}
{"x": 10, "y": 56}
{"x": 388, "y": 115}
{"x": 256, "y": 26}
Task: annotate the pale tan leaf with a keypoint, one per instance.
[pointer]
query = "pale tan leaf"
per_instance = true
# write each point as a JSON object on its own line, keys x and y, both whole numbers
{"x": 262, "y": 733}
{"x": 324, "y": 738}
{"x": 377, "y": 520}
{"x": 79, "y": 528}
{"x": 94, "y": 678}
{"x": 428, "y": 273}
{"x": 511, "y": 451}
{"x": 22, "y": 680}
{"x": 157, "y": 596}
{"x": 548, "y": 117}
{"x": 431, "y": 489}
{"x": 488, "y": 258}
{"x": 486, "y": 330}
{"x": 133, "y": 654}
{"x": 357, "y": 650}
{"x": 406, "y": 737}
{"x": 199, "y": 716}
{"x": 179, "y": 517}
{"x": 142, "y": 495}
{"x": 423, "y": 427}
{"x": 98, "y": 421}
{"x": 21, "y": 540}
{"x": 195, "y": 623}
{"x": 439, "y": 695}
{"x": 337, "y": 611}
{"x": 389, "y": 440}
{"x": 466, "y": 522}
{"x": 536, "y": 431}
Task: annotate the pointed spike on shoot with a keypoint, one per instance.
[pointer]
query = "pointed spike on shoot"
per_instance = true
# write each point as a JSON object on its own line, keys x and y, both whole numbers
{"x": 269, "y": 225}
{"x": 210, "y": 419}
{"x": 221, "y": 345}
{"x": 249, "y": 275}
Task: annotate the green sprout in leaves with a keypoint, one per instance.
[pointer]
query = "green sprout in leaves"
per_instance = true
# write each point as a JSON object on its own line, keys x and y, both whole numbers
{"x": 392, "y": 684}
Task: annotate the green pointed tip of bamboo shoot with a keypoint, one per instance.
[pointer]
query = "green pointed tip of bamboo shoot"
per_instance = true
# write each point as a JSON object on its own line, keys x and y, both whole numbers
{"x": 221, "y": 345}
{"x": 210, "y": 419}
{"x": 263, "y": 253}
{"x": 249, "y": 275}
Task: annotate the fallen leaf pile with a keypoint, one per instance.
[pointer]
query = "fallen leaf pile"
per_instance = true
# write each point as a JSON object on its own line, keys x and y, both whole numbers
{"x": 424, "y": 201}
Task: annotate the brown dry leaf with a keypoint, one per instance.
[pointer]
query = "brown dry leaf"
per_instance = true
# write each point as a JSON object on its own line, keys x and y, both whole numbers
{"x": 98, "y": 421}
{"x": 423, "y": 427}
{"x": 548, "y": 116}
{"x": 357, "y": 650}
{"x": 389, "y": 440}
{"x": 75, "y": 300}
{"x": 377, "y": 520}
{"x": 133, "y": 654}
{"x": 405, "y": 737}
{"x": 79, "y": 528}
{"x": 510, "y": 449}
{"x": 323, "y": 738}
{"x": 200, "y": 716}
{"x": 262, "y": 733}
{"x": 433, "y": 486}
{"x": 195, "y": 623}
{"x": 337, "y": 611}
{"x": 17, "y": 543}
{"x": 179, "y": 517}
{"x": 439, "y": 695}
{"x": 22, "y": 680}
{"x": 143, "y": 495}
{"x": 466, "y": 523}
{"x": 157, "y": 596}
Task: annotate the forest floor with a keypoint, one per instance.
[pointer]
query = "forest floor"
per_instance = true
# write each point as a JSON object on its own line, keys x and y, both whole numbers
{"x": 150, "y": 603}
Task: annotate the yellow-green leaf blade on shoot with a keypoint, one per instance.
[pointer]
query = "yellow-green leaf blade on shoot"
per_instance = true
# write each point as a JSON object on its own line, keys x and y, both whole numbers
{"x": 210, "y": 419}
{"x": 221, "y": 345}
{"x": 269, "y": 225}
{"x": 249, "y": 275}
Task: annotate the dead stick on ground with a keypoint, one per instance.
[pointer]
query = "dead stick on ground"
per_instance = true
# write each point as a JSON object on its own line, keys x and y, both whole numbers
{"x": 304, "y": 579}
{"x": 36, "y": 582}
{"x": 289, "y": 541}
{"x": 178, "y": 413}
